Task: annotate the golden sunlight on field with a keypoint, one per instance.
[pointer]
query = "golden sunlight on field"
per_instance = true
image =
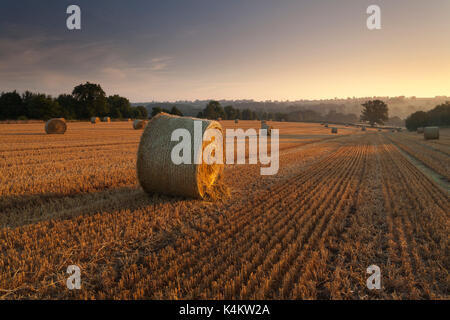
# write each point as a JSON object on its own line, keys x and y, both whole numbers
{"x": 338, "y": 204}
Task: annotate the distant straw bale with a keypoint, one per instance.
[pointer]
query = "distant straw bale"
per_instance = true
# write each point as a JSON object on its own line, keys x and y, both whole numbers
{"x": 56, "y": 126}
{"x": 430, "y": 133}
{"x": 139, "y": 124}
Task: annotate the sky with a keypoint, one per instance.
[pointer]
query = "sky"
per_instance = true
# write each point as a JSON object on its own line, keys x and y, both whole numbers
{"x": 227, "y": 49}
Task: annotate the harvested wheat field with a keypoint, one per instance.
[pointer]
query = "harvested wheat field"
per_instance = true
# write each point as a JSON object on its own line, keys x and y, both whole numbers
{"x": 338, "y": 204}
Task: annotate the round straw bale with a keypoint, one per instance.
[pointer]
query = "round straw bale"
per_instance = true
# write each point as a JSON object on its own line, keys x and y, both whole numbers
{"x": 95, "y": 120}
{"x": 139, "y": 124}
{"x": 158, "y": 174}
{"x": 431, "y": 133}
{"x": 334, "y": 130}
{"x": 56, "y": 126}
{"x": 420, "y": 130}
{"x": 106, "y": 119}
{"x": 268, "y": 128}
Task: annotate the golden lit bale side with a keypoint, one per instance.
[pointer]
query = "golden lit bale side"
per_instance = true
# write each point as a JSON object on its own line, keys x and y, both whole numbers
{"x": 420, "y": 130}
{"x": 430, "y": 133}
{"x": 158, "y": 174}
{"x": 139, "y": 124}
{"x": 334, "y": 130}
{"x": 95, "y": 120}
{"x": 56, "y": 126}
{"x": 106, "y": 119}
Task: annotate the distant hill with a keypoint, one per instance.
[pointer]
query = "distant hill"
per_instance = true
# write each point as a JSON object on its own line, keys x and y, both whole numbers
{"x": 400, "y": 107}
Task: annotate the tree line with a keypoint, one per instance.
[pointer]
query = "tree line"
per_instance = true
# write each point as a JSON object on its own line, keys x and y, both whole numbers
{"x": 439, "y": 116}
{"x": 86, "y": 101}
{"x": 215, "y": 111}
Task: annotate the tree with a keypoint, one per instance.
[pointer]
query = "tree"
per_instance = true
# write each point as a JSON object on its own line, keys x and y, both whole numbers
{"x": 439, "y": 116}
{"x": 231, "y": 113}
{"x": 156, "y": 110}
{"x": 213, "y": 111}
{"x": 374, "y": 111}
{"x": 91, "y": 100}
{"x": 141, "y": 112}
{"x": 44, "y": 107}
{"x": 68, "y": 106}
{"x": 119, "y": 107}
{"x": 11, "y": 106}
{"x": 176, "y": 111}
{"x": 248, "y": 114}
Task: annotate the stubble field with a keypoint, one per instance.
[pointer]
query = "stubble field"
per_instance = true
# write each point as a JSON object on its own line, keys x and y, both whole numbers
{"x": 338, "y": 204}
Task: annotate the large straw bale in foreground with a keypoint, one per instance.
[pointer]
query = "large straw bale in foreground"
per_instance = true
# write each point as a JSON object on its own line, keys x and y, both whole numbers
{"x": 95, "y": 120}
{"x": 139, "y": 124}
{"x": 158, "y": 174}
{"x": 431, "y": 133}
{"x": 56, "y": 126}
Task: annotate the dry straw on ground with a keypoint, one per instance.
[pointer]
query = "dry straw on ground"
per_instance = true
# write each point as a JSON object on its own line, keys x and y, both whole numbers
{"x": 56, "y": 126}
{"x": 139, "y": 124}
{"x": 158, "y": 174}
{"x": 95, "y": 120}
{"x": 431, "y": 133}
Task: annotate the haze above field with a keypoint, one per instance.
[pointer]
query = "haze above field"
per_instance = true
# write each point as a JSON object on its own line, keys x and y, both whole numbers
{"x": 262, "y": 50}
